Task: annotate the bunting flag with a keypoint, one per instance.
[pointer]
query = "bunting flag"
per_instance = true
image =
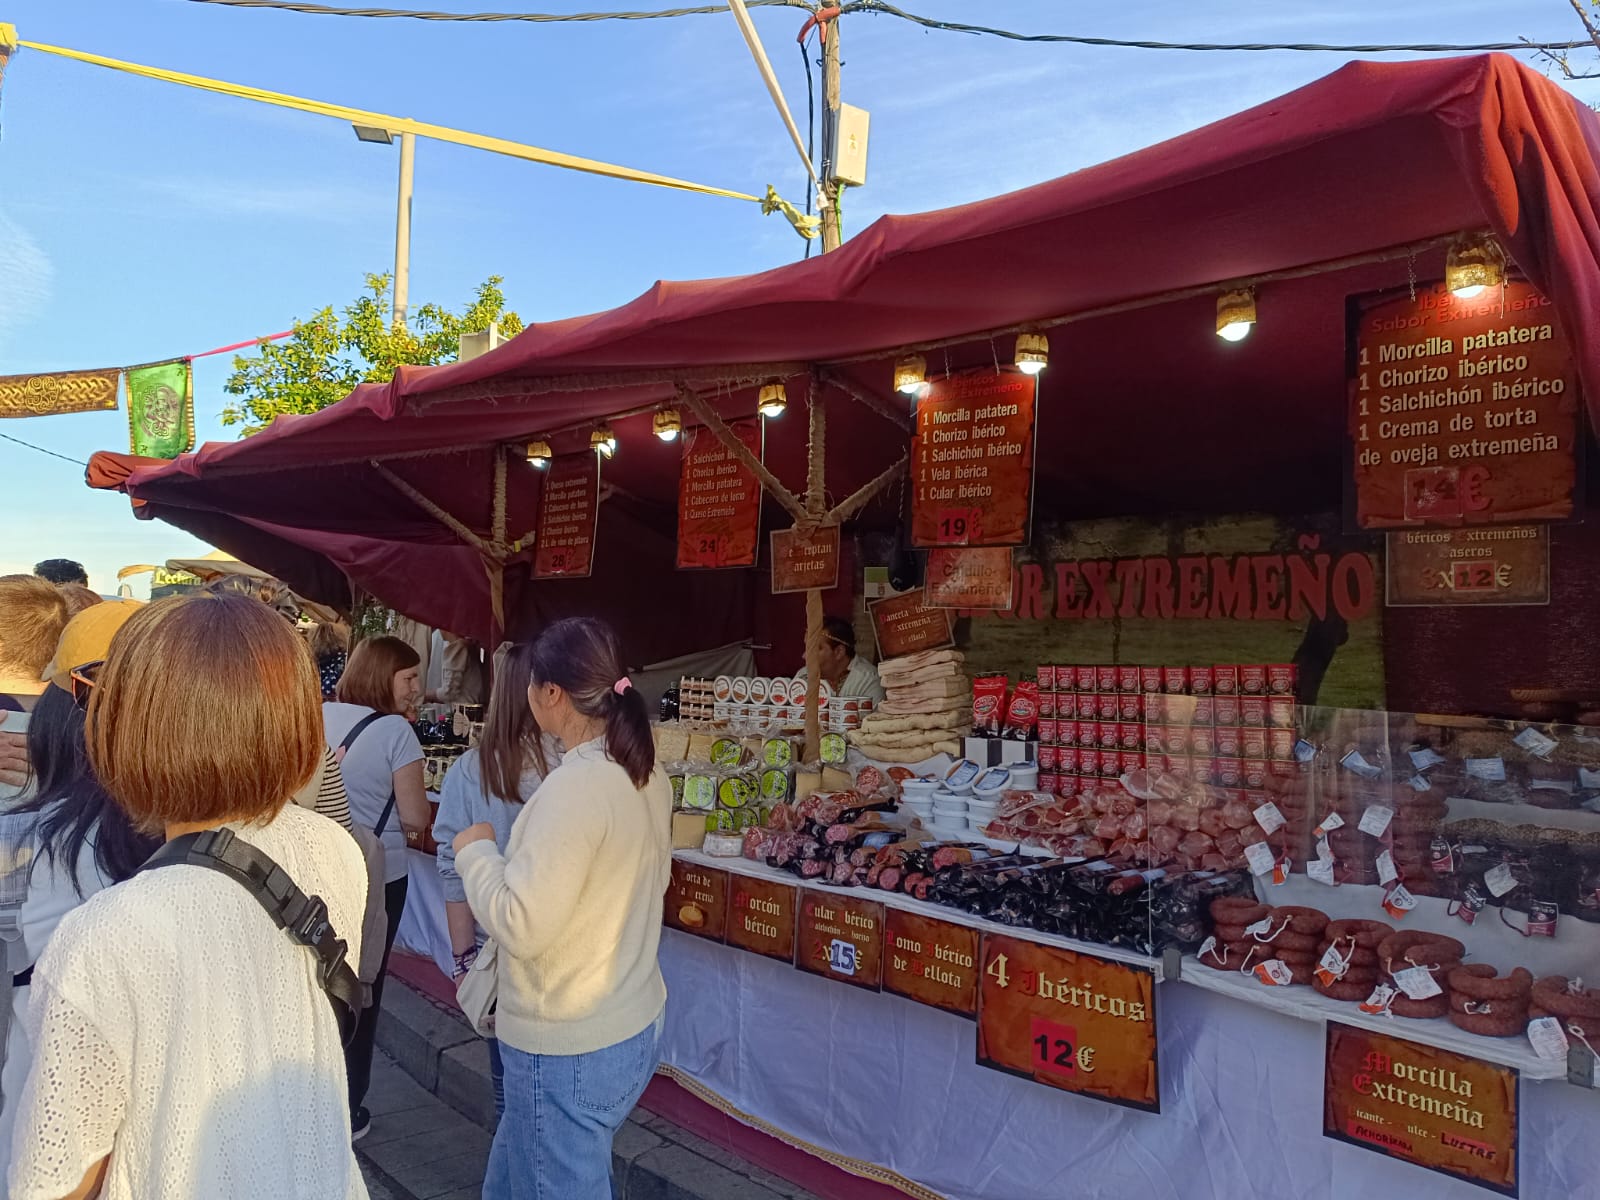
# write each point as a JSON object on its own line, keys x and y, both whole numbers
{"x": 161, "y": 409}
{"x": 58, "y": 392}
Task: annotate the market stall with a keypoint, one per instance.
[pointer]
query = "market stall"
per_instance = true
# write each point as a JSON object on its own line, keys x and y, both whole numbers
{"x": 1153, "y": 792}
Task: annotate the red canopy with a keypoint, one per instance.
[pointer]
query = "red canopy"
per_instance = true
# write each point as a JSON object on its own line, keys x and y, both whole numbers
{"x": 1141, "y": 410}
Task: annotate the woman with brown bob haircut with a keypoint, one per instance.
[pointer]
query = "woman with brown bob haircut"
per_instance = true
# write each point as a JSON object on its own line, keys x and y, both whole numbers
{"x": 184, "y": 1045}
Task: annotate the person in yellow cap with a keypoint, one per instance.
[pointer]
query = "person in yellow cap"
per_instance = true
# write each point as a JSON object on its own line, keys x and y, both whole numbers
{"x": 69, "y": 836}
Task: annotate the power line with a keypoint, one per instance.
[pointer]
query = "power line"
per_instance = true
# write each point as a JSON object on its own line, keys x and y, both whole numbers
{"x": 76, "y": 461}
{"x": 882, "y": 6}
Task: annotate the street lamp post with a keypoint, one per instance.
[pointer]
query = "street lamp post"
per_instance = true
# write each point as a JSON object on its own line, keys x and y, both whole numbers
{"x": 402, "y": 220}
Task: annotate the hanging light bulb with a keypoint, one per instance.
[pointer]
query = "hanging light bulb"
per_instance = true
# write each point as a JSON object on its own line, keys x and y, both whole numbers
{"x": 773, "y": 400}
{"x": 602, "y": 441}
{"x": 1033, "y": 353}
{"x": 539, "y": 454}
{"x": 1236, "y": 313}
{"x": 667, "y": 425}
{"x": 1475, "y": 263}
{"x": 910, "y": 373}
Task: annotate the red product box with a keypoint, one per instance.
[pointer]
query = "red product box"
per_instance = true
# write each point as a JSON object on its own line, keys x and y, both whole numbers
{"x": 1200, "y": 681}
{"x": 1155, "y": 707}
{"x": 1202, "y": 740}
{"x": 1067, "y": 706}
{"x": 1283, "y": 768}
{"x": 1280, "y": 712}
{"x": 1130, "y": 706}
{"x": 1280, "y": 745}
{"x": 1225, "y": 680}
{"x": 1175, "y": 739}
{"x": 1049, "y": 704}
{"x": 1072, "y": 733}
{"x": 1179, "y": 765}
{"x": 1226, "y": 709}
{"x": 1107, "y": 706}
{"x": 1067, "y": 785}
{"x": 1149, "y": 679}
{"x": 1088, "y": 760}
{"x": 1105, "y": 734}
{"x": 1127, "y": 678}
{"x": 1068, "y": 758}
{"x": 1155, "y": 739}
{"x": 1049, "y": 731}
{"x": 1205, "y": 710}
{"x": 1227, "y": 740}
{"x": 1252, "y": 710}
{"x": 1110, "y": 764}
{"x": 1130, "y": 735}
{"x": 1085, "y": 677}
{"x": 1229, "y": 773}
{"x": 1252, "y": 742}
{"x": 1105, "y": 677}
{"x": 1050, "y": 782}
{"x": 1255, "y": 772}
{"x": 1049, "y": 757}
{"x": 1253, "y": 680}
{"x": 1175, "y": 680}
{"x": 1047, "y": 678}
{"x": 1131, "y": 760}
{"x": 1281, "y": 679}
{"x": 1203, "y": 769}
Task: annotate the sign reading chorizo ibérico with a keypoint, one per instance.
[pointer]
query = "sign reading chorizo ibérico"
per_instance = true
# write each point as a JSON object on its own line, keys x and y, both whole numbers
{"x": 972, "y": 460}
{"x": 568, "y": 508}
{"x": 719, "y": 499}
{"x": 1462, "y": 412}
{"x": 1082, "y": 1024}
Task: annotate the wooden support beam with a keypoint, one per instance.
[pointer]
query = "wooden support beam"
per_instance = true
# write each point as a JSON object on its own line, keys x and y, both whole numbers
{"x": 863, "y": 396}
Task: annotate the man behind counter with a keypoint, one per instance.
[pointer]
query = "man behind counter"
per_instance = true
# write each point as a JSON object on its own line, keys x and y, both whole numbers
{"x": 846, "y": 674}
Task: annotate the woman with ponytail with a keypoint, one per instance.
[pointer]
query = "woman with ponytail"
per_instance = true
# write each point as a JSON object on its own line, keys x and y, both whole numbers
{"x": 575, "y": 907}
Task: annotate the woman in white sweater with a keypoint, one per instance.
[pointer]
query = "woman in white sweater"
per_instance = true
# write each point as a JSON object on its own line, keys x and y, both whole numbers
{"x": 575, "y": 906}
{"x": 183, "y": 1044}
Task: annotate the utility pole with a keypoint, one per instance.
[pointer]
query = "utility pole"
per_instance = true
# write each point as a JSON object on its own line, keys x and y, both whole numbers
{"x": 832, "y": 234}
{"x": 402, "y": 230}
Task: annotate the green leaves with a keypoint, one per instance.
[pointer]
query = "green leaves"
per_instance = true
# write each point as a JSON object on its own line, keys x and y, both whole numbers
{"x": 329, "y": 354}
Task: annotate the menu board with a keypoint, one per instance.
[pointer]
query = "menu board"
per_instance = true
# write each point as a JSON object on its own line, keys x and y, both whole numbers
{"x": 931, "y": 961}
{"x": 761, "y": 917}
{"x": 1443, "y": 1111}
{"x": 1484, "y": 565}
{"x": 802, "y": 562}
{"x": 568, "y": 508}
{"x": 969, "y": 577}
{"x": 697, "y": 900}
{"x": 905, "y": 624}
{"x": 841, "y": 937}
{"x": 1462, "y": 412}
{"x": 972, "y": 460}
{"x": 1082, "y": 1024}
{"x": 719, "y": 499}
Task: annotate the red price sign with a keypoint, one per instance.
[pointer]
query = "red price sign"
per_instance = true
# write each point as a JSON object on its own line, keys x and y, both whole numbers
{"x": 960, "y": 526}
{"x": 1055, "y": 1047}
{"x": 1474, "y": 576}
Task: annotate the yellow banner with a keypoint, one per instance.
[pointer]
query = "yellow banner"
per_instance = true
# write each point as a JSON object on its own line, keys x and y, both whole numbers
{"x": 59, "y": 392}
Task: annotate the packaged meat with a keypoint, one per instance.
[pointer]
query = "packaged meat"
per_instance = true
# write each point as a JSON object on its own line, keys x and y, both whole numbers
{"x": 988, "y": 704}
{"x": 1022, "y": 712}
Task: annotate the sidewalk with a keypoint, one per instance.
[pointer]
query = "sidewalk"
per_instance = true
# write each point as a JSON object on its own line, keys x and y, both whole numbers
{"x": 432, "y": 1112}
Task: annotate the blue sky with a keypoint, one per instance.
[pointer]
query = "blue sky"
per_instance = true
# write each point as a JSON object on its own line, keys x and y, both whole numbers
{"x": 139, "y": 220}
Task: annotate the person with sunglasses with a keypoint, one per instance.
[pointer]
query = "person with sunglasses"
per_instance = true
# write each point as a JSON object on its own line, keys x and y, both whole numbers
{"x": 74, "y": 838}
{"x": 844, "y": 671}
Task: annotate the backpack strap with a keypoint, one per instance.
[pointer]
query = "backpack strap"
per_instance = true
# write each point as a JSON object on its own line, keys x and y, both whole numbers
{"x": 304, "y": 918}
{"x": 344, "y": 748}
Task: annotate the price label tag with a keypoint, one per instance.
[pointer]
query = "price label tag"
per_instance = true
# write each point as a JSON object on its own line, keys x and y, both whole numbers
{"x": 1275, "y": 973}
{"x": 1382, "y": 996}
{"x": 1356, "y": 761}
{"x": 1426, "y": 757}
{"x": 1260, "y": 929}
{"x": 1500, "y": 880}
{"x": 1260, "y": 858}
{"x": 842, "y": 957}
{"x": 1332, "y": 966}
{"x": 1280, "y": 870}
{"x": 1325, "y": 849}
{"x": 1386, "y": 867}
{"x": 1588, "y": 777}
{"x": 1398, "y": 902}
{"x": 1376, "y": 819}
{"x": 1055, "y": 1047}
{"x": 1548, "y": 1039}
{"x": 1269, "y": 818}
{"x": 1535, "y": 743}
{"x": 1206, "y": 947}
{"x": 1322, "y": 871}
{"x": 1304, "y": 751}
{"x": 1419, "y": 784}
{"x": 1418, "y": 983}
{"x": 1492, "y": 770}
{"x": 1329, "y": 823}
{"x": 959, "y": 526}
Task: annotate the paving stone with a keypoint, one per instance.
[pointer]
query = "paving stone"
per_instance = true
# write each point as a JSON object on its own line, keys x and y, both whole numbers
{"x": 409, "y": 1122}
{"x": 461, "y": 1137}
{"x": 688, "y": 1176}
{"x": 430, "y": 1180}
{"x": 631, "y": 1141}
{"x": 464, "y": 1083}
{"x": 414, "y": 1032}
{"x": 395, "y": 1091}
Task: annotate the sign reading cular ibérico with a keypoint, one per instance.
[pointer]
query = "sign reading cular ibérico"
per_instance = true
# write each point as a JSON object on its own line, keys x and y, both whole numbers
{"x": 972, "y": 460}
{"x": 1462, "y": 412}
{"x": 568, "y": 508}
{"x": 719, "y": 499}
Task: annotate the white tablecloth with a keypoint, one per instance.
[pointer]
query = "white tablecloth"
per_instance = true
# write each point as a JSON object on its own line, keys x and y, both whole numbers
{"x": 422, "y": 926}
{"x": 884, "y": 1080}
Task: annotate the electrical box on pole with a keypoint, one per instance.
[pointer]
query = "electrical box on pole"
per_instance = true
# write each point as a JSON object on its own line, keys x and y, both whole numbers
{"x": 849, "y": 143}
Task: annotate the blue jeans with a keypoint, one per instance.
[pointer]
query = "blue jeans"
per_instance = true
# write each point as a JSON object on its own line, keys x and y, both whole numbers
{"x": 497, "y": 1077}
{"x": 554, "y": 1142}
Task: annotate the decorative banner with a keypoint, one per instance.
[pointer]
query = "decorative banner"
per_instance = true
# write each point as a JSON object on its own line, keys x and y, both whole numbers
{"x": 161, "y": 409}
{"x": 761, "y": 917}
{"x": 697, "y": 900}
{"x": 803, "y": 562}
{"x": 61, "y": 392}
{"x": 1491, "y": 565}
{"x": 1074, "y": 1022}
{"x": 1462, "y": 412}
{"x": 719, "y": 499}
{"x": 931, "y": 961}
{"x": 841, "y": 937}
{"x": 905, "y": 624}
{"x": 1443, "y": 1111}
{"x": 568, "y": 509}
{"x": 972, "y": 460}
{"x": 969, "y": 578}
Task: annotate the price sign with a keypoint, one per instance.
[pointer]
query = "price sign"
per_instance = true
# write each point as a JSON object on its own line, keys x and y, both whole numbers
{"x": 905, "y": 623}
{"x": 931, "y": 961}
{"x": 761, "y": 917}
{"x": 1462, "y": 412}
{"x": 697, "y": 900}
{"x": 1069, "y": 1020}
{"x": 568, "y": 508}
{"x": 719, "y": 499}
{"x": 802, "y": 562}
{"x": 973, "y": 577}
{"x": 1444, "y": 1111}
{"x": 972, "y": 460}
{"x": 841, "y": 937}
{"x": 1484, "y": 565}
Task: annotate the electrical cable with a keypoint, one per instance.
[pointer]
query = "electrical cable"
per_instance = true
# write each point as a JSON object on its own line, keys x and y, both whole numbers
{"x": 42, "y": 450}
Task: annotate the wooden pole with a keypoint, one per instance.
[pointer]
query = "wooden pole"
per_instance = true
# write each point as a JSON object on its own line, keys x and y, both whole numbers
{"x": 832, "y": 231}
{"x": 816, "y": 509}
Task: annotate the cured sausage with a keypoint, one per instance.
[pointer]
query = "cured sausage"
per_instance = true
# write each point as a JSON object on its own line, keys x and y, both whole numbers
{"x": 1479, "y": 981}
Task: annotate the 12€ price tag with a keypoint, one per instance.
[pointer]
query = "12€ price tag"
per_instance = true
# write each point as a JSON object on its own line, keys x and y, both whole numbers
{"x": 1260, "y": 858}
{"x": 1375, "y": 820}
{"x": 1269, "y": 817}
{"x": 1418, "y": 983}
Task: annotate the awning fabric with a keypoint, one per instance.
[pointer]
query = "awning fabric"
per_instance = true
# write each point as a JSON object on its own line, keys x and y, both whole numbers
{"x": 1141, "y": 411}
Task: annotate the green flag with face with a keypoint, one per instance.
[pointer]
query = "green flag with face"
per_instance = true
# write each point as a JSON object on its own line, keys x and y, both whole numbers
{"x": 161, "y": 409}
